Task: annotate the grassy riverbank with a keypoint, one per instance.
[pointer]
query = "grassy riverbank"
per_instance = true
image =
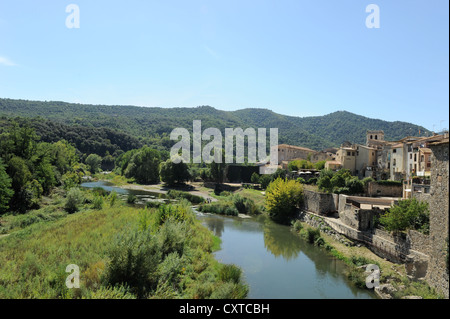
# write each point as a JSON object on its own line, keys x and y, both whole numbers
{"x": 358, "y": 256}
{"x": 121, "y": 251}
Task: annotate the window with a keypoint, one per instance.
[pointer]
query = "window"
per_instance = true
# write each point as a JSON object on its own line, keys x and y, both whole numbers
{"x": 353, "y": 153}
{"x": 394, "y": 163}
{"x": 348, "y": 153}
{"x": 371, "y": 137}
{"x": 376, "y": 137}
{"x": 410, "y": 156}
{"x": 415, "y": 157}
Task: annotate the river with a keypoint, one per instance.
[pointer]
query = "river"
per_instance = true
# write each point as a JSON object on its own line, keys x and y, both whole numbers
{"x": 276, "y": 263}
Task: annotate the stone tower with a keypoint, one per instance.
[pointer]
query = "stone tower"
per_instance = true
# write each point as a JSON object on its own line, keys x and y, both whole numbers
{"x": 372, "y": 137}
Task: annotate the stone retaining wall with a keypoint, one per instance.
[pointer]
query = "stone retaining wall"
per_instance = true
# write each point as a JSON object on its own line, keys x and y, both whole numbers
{"x": 320, "y": 203}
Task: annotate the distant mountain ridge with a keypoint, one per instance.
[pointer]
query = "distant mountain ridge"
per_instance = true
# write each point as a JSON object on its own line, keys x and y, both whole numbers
{"x": 317, "y": 132}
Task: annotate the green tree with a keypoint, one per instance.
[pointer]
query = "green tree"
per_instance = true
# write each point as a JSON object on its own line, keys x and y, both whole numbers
{"x": 6, "y": 191}
{"x": 407, "y": 214}
{"x": 265, "y": 180}
{"x": 64, "y": 156}
{"x": 144, "y": 166}
{"x": 107, "y": 162}
{"x": 283, "y": 198}
{"x": 324, "y": 183}
{"x": 217, "y": 170}
{"x": 74, "y": 199}
{"x": 255, "y": 178}
{"x": 94, "y": 161}
{"x": 172, "y": 173}
{"x": 319, "y": 165}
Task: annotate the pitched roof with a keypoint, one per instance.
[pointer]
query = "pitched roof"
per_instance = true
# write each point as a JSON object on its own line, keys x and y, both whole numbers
{"x": 296, "y": 147}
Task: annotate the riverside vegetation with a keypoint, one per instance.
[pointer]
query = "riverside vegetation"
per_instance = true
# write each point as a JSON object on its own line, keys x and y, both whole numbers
{"x": 122, "y": 252}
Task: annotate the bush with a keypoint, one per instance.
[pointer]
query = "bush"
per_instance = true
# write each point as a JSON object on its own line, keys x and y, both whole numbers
{"x": 297, "y": 226}
{"x": 254, "y": 178}
{"x": 367, "y": 180}
{"x": 194, "y": 199}
{"x": 221, "y": 208}
{"x": 311, "y": 181}
{"x": 283, "y": 198}
{"x": 131, "y": 199}
{"x": 265, "y": 181}
{"x": 230, "y": 273}
{"x": 135, "y": 256}
{"x": 354, "y": 185}
{"x": 389, "y": 183}
{"x": 74, "y": 199}
{"x": 98, "y": 202}
{"x": 112, "y": 198}
{"x": 319, "y": 241}
{"x": 310, "y": 234}
{"x": 153, "y": 204}
{"x": 407, "y": 214}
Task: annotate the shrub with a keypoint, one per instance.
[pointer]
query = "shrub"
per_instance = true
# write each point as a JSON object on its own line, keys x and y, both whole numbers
{"x": 283, "y": 198}
{"x": 194, "y": 199}
{"x": 254, "y": 178}
{"x": 230, "y": 273}
{"x": 367, "y": 180}
{"x": 310, "y": 234}
{"x": 135, "y": 256}
{"x": 131, "y": 199}
{"x": 311, "y": 181}
{"x": 389, "y": 183}
{"x": 153, "y": 204}
{"x": 221, "y": 208}
{"x": 74, "y": 199}
{"x": 319, "y": 241}
{"x": 265, "y": 181}
{"x": 359, "y": 261}
{"x": 112, "y": 198}
{"x": 98, "y": 202}
{"x": 354, "y": 185}
{"x": 297, "y": 226}
{"x": 407, "y": 214}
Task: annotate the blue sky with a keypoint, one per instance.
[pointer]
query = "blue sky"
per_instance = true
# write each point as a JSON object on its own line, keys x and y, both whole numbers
{"x": 301, "y": 58}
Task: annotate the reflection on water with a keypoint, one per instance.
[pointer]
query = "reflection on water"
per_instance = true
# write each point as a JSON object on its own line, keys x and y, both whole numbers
{"x": 279, "y": 264}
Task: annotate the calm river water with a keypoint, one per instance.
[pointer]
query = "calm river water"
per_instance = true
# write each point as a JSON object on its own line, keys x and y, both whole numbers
{"x": 276, "y": 263}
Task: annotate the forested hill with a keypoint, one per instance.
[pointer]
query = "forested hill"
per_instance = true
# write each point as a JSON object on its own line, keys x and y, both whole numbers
{"x": 152, "y": 124}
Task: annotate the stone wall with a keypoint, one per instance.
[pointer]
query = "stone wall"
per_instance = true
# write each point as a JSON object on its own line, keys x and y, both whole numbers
{"x": 360, "y": 219}
{"x": 437, "y": 275}
{"x": 375, "y": 189}
{"x": 320, "y": 203}
{"x": 422, "y": 197}
{"x": 411, "y": 248}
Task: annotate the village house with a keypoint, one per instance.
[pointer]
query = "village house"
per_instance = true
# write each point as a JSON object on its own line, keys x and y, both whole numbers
{"x": 287, "y": 153}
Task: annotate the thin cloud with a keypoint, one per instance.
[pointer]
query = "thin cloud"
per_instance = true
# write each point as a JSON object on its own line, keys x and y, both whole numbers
{"x": 6, "y": 61}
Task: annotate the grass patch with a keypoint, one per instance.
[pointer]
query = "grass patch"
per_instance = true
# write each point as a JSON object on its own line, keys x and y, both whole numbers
{"x": 121, "y": 251}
